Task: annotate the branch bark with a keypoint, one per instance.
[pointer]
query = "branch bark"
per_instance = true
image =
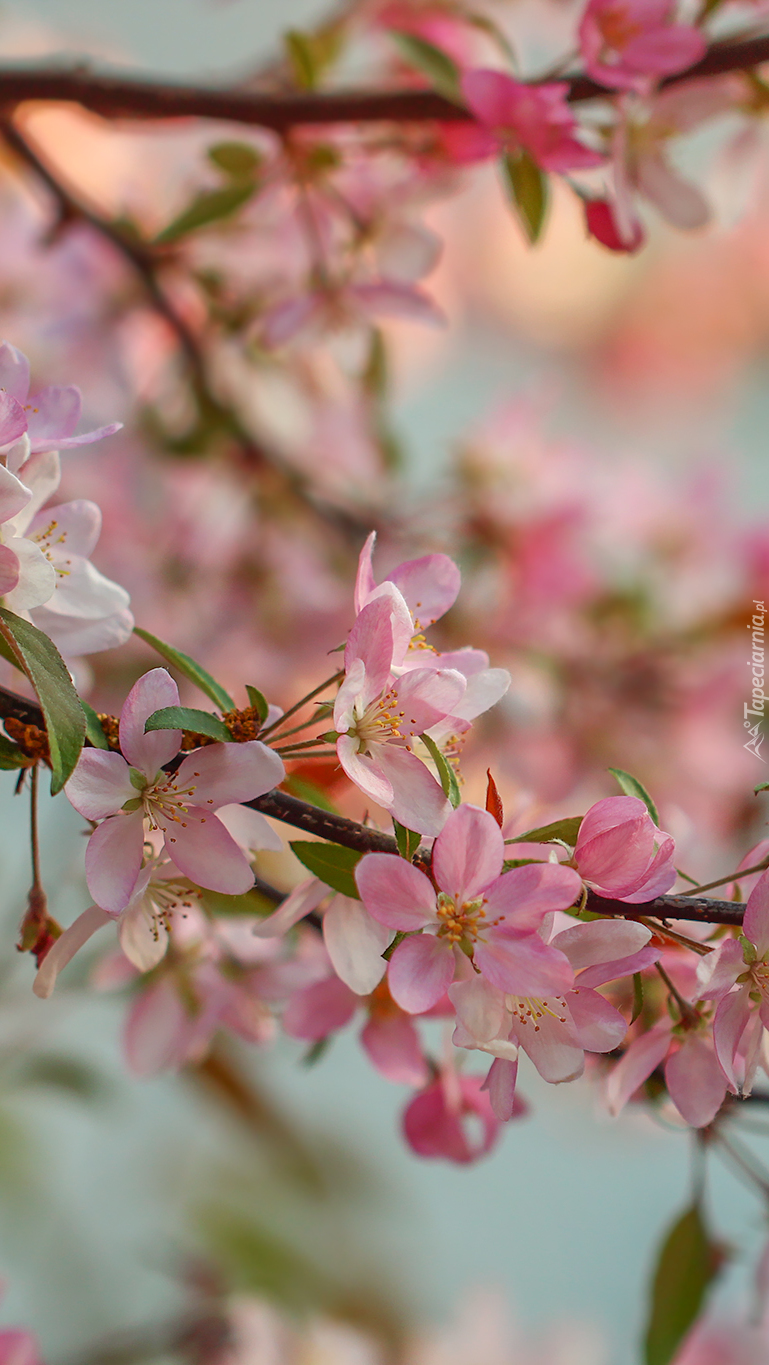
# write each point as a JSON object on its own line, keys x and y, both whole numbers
{"x": 118, "y": 97}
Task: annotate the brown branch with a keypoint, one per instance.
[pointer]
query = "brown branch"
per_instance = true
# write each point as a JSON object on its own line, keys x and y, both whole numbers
{"x": 339, "y": 830}
{"x": 118, "y": 97}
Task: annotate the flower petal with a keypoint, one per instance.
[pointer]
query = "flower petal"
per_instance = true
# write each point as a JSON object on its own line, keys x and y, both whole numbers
{"x": 598, "y": 1025}
{"x": 37, "y": 576}
{"x": 756, "y": 922}
{"x": 521, "y": 964}
{"x": 14, "y": 372}
{"x": 206, "y": 853}
{"x": 143, "y": 938}
{"x": 421, "y": 969}
{"x": 551, "y": 1043}
{"x": 523, "y": 896}
{"x": 320, "y": 1009}
{"x": 429, "y": 586}
{"x": 303, "y": 900}
{"x": 148, "y": 753}
{"x": 468, "y": 853}
{"x": 392, "y": 1044}
{"x": 695, "y": 1081}
{"x": 644, "y": 1054}
{"x": 480, "y": 1007}
{"x": 355, "y": 944}
{"x": 585, "y": 945}
{"x": 395, "y": 892}
{"x": 65, "y": 947}
{"x": 100, "y": 784}
{"x": 113, "y": 859}
{"x": 500, "y": 1084}
{"x": 225, "y": 773}
{"x": 417, "y": 800}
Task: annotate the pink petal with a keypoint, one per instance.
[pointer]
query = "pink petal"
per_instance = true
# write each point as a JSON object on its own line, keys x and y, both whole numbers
{"x": 355, "y": 943}
{"x": 644, "y": 1054}
{"x": 434, "y": 1128}
{"x": 429, "y": 585}
{"x": 319, "y": 1009}
{"x": 500, "y": 1084}
{"x": 13, "y": 421}
{"x": 392, "y": 1045}
{"x": 10, "y": 570}
{"x": 224, "y": 773}
{"x": 551, "y": 1043}
{"x": 601, "y": 941}
{"x": 371, "y": 639}
{"x": 623, "y": 966}
{"x": 113, "y": 859}
{"x": 468, "y": 853}
{"x": 417, "y": 799}
{"x": 598, "y": 1025}
{"x": 421, "y": 969}
{"x": 365, "y": 772}
{"x": 695, "y": 1081}
{"x": 78, "y": 522}
{"x": 523, "y": 896}
{"x": 521, "y": 964}
{"x": 731, "y": 1020}
{"x": 303, "y": 900}
{"x": 14, "y": 495}
{"x": 100, "y": 784}
{"x": 483, "y": 691}
{"x": 756, "y": 923}
{"x": 492, "y": 97}
{"x": 53, "y": 412}
{"x": 395, "y": 892}
{"x": 480, "y": 1008}
{"x": 365, "y": 581}
{"x": 14, "y": 372}
{"x": 206, "y": 853}
{"x": 718, "y": 972}
{"x": 665, "y": 50}
{"x": 426, "y": 696}
{"x": 158, "y": 1030}
{"x": 65, "y": 947}
{"x": 149, "y": 752}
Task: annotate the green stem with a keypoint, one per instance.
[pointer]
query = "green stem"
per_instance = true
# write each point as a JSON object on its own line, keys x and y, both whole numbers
{"x": 329, "y": 682}
{"x": 732, "y": 877}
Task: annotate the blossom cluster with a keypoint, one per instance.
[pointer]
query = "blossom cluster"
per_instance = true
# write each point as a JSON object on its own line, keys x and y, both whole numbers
{"x": 490, "y": 934}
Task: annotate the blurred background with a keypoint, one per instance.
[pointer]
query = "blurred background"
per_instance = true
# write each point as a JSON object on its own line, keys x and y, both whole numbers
{"x": 585, "y": 434}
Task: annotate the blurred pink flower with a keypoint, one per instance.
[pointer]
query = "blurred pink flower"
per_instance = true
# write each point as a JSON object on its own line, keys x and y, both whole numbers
{"x": 536, "y": 119}
{"x": 442, "y": 1120}
{"x": 628, "y": 44}
{"x": 50, "y": 416}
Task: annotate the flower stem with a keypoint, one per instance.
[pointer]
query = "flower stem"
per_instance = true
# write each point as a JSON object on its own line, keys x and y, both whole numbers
{"x": 732, "y": 877}
{"x": 688, "y": 1014}
{"x": 329, "y": 682}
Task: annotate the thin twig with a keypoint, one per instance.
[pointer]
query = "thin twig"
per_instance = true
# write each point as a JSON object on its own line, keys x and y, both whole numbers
{"x": 733, "y": 877}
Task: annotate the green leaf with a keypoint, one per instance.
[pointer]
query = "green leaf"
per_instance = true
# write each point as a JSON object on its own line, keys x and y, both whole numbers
{"x": 638, "y": 996}
{"x": 442, "y": 73}
{"x": 632, "y": 787}
{"x": 190, "y": 670}
{"x": 318, "y": 1049}
{"x": 528, "y": 188}
{"x": 301, "y": 56}
{"x": 188, "y": 718}
{"x": 11, "y": 755}
{"x": 408, "y": 841}
{"x": 49, "y": 675}
{"x": 333, "y": 864}
{"x": 762, "y": 787}
{"x": 250, "y": 903}
{"x": 446, "y": 774}
{"x": 258, "y": 700}
{"x": 211, "y": 206}
{"x": 684, "y": 1270}
{"x": 565, "y": 831}
{"x": 510, "y": 863}
{"x": 93, "y": 727}
{"x": 236, "y": 159}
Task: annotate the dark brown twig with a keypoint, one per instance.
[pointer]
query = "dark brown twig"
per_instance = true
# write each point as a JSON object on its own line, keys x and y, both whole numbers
{"x": 118, "y": 97}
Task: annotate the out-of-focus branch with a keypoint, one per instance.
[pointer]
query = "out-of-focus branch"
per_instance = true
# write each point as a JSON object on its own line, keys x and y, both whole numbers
{"x": 116, "y": 97}
{"x": 339, "y": 830}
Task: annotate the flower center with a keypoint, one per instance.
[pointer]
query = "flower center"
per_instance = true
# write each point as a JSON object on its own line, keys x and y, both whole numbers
{"x": 617, "y": 30}
{"x": 380, "y": 721}
{"x": 47, "y": 539}
{"x": 459, "y": 922}
{"x": 528, "y": 1010}
{"x": 166, "y": 803}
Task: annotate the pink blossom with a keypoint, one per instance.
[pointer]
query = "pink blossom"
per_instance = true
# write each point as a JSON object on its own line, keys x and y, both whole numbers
{"x": 693, "y": 1077}
{"x": 18, "y": 1347}
{"x": 475, "y": 911}
{"x": 555, "y": 1029}
{"x": 377, "y": 718}
{"x": 345, "y": 305}
{"x": 602, "y": 224}
{"x": 429, "y": 586}
{"x": 620, "y": 852}
{"x": 124, "y": 790}
{"x": 737, "y": 976}
{"x": 533, "y": 118}
{"x": 50, "y": 416}
{"x": 435, "y": 1122}
{"x": 627, "y": 44}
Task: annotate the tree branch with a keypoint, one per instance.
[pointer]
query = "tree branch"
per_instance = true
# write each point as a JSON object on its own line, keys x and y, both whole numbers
{"x": 118, "y": 97}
